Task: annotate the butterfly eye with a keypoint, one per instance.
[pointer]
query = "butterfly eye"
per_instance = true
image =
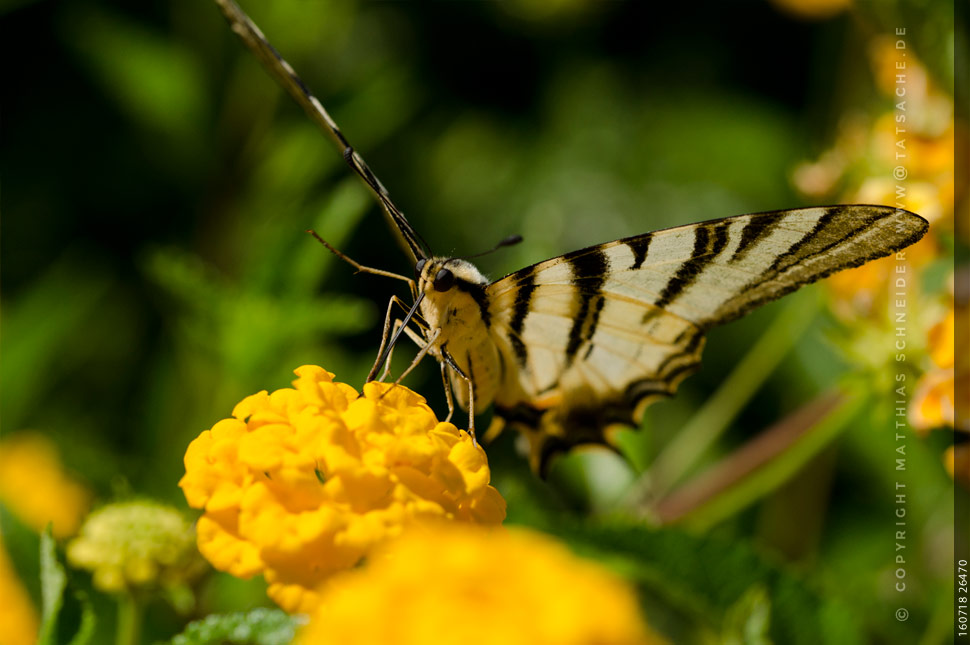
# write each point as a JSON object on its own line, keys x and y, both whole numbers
{"x": 418, "y": 268}
{"x": 444, "y": 280}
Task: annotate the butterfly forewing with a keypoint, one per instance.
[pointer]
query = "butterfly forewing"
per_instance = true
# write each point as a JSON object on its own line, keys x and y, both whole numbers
{"x": 788, "y": 249}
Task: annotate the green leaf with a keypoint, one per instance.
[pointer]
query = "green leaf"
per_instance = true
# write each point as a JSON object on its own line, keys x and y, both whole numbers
{"x": 53, "y": 585}
{"x": 748, "y": 621}
{"x": 85, "y": 631}
{"x": 257, "y": 627}
{"x": 53, "y": 582}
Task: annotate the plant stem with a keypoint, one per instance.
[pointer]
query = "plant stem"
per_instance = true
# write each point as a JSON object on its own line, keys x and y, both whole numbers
{"x": 130, "y": 610}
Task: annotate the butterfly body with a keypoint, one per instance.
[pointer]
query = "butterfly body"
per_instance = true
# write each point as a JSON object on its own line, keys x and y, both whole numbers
{"x": 455, "y": 308}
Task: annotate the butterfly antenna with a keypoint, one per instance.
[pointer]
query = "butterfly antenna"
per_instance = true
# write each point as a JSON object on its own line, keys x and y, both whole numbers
{"x": 357, "y": 265}
{"x": 254, "y": 39}
{"x": 511, "y": 240}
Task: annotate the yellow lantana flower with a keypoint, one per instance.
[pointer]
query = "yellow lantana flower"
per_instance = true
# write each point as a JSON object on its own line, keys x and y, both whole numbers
{"x": 862, "y": 168}
{"x": 18, "y": 617}
{"x": 35, "y": 487}
{"x": 956, "y": 459}
{"x": 941, "y": 340}
{"x": 463, "y": 585}
{"x": 304, "y": 482}
{"x": 933, "y": 404}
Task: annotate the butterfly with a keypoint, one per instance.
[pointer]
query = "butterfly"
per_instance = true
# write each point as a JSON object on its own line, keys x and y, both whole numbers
{"x": 566, "y": 347}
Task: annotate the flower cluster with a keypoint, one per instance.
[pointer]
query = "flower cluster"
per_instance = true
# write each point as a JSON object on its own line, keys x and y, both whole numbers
{"x": 863, "y": 167}
{"x": 932, "y": 405}
{"x": 467, "y": 585}
{"x": 306, "y": 481}
{"x": 902, "y": 156}
{"x": 136, "y": 545}
{"x": 35, "y": 487}
{"x": 934, "y": 402}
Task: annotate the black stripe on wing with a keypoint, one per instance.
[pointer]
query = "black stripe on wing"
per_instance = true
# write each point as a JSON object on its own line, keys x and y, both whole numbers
{"x": 708, "y": 244}
{"x": 592, "y": 267}
{"x": 638, "y": 246}
{"x": 837, "y": 227}
{"x": 520, "y": 310}
{"x": 791, "y": 256}
{"x": 760, "y": 227}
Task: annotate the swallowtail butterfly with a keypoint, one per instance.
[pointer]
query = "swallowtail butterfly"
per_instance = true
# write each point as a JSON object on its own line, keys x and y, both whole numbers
{"x": 568, "y": 346}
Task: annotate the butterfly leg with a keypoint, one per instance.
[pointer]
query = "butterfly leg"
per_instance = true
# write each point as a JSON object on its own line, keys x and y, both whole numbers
{"x": 387, "y": 334}
{"x": 421, "y": 354}
{"x": 448, "y": 395}
{"x": 471, "y": 390}
{"x": 420, "y": 342}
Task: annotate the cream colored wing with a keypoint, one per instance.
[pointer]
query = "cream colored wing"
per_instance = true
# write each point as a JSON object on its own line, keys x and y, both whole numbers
{"x": 592, "y": 337}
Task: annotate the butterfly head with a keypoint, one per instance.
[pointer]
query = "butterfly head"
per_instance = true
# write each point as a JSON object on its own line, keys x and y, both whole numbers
{"x": 442, "y": 275}
{"x": 452, "y": 289}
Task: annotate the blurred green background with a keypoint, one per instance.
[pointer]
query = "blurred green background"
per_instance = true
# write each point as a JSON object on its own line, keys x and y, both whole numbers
{"x": 157, "y": 183}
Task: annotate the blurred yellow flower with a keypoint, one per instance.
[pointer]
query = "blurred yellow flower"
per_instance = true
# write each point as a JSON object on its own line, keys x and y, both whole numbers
{"x": 140, "y": 544}
{"x": 932, "y": 403}
{"x": 454, "y": 585}
{"x": 812, "y": 9}
{"x": 305, "y": 482}
{"x": 863, "y": 167}
{"x": 35, "y": 487}
{"x": 18, "y": 617}
{"x": 903, "y": 79}
{"x": 941, "y": 338}
{"x": 894, "y": 64}
{"x": 866, "y": 290}
{"x": 957, "y": 462}
{"x": 901, "y": 156}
